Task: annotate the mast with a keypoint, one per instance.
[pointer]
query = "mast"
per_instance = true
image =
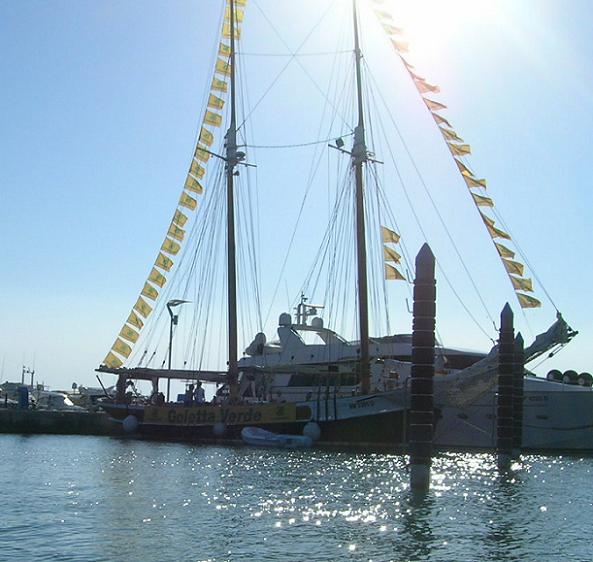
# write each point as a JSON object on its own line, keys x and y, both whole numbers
{"x": 231, "y": 162}
{"x": 359, "y": 157}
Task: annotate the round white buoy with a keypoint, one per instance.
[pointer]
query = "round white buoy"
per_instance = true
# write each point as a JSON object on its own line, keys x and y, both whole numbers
{"x": 219, "y": 429}
{"x": 312, "y": 430}
{"x": 130, "y": 424}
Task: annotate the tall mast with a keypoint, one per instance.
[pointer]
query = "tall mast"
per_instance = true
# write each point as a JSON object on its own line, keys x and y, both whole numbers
{"x": 231, "y": 162}
{"x": 359, "y": 157}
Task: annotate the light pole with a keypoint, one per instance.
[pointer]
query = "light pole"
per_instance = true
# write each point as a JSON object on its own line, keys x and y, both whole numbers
{"x": 174, "y": 318}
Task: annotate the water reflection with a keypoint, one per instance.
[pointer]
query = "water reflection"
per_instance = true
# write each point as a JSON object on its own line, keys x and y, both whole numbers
{"x": 108, "y": 499}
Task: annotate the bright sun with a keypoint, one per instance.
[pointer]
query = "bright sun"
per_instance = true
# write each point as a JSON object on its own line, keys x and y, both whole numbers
{"x": 433, "y": 22}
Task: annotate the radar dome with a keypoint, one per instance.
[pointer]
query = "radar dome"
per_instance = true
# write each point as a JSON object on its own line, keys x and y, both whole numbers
{"x": 284, "y": 319}
{"x": 317, "y": 322}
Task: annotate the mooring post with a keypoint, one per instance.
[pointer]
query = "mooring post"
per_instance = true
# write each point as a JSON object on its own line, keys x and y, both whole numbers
{"x": 422, "y": 399}
{"x": 506, "y": 360}
{"x": 518, "y": 373}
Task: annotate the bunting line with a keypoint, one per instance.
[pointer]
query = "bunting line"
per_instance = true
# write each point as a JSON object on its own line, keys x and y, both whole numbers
{"x": 171, "y": 246}
{"x": 457, "y": 147}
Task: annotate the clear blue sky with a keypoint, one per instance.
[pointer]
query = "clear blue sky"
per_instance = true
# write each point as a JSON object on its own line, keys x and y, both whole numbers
{"x": 100, "y": 106}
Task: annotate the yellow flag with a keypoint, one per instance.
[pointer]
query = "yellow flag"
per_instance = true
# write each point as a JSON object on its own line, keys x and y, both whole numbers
{"x": 487, "y": 220}
{"x": 440, "y": 120}
{"x": 121, "y": 347}
{"x": 450, "y": 135}
{"x": 219, "y": 85}
{"x": 528, "y": 302}
{"x": 157, "y": 278}
{"x": 433, "y": 105}
{"x": 129, "y": 334}
{"x": 149, "y": 291}
{"x": 142, "y": 306}
{"x": 392, "y": 273}
{"x": 503, "y": 251}
{"x": 226, "y": 31}
{"x": 482, "y": 201}
{"x": 187, "y": 201}
{"x": 474, "y": 182}
{"x": 400, "y": 46}
{"x": 388, "y": 235}
{"x": 176, "y": 232}
{"x": 513, "y": 266}
{"x": 134, "y": 320}
{"x": 424, "y": 87}
{"x": 179, "y": 218}
{"x": 112, "y": 361}
{"x": 383, "y": 15}
{"x": 239, "y": 14}
{"x": 206, "y": 137}
{"x": 201, "y": 154}
{"x": 215, "y": 102}
{"x": 463, "y": 168}
{"x": 196, "y": 170}
{"x": 213, "y": 119}
{"x": 496, "y": 232}
{"x": 163, "y": 262}
{"x": 389, "y": 254}
{"x": 192, "y": 184}
{"x": 241, "y": 3}
{"x": 459, "y": 149}
{"x": 521, "y": 283}
{"x": 406, "y": 63}
{"x": 170, "y": 247}
{"x": 224, "y": 50}
{"x": 391, "y": 29}
{"x": 223, "y": 67}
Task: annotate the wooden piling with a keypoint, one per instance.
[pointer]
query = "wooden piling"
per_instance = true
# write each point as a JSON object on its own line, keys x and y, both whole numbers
{"x": 423, "y": 343}
{"x": 518, "y": 375}
{"x": 504, "y": 410}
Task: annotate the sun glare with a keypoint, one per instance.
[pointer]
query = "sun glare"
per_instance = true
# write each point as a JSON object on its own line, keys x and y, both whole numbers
{"x": 429, "y": 24}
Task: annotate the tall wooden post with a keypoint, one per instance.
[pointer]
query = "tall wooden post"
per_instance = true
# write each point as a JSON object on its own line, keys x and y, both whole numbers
{"x": 506, "y": 357}
{"x": 422, "y": 398}
{"x": 518, "y": 374}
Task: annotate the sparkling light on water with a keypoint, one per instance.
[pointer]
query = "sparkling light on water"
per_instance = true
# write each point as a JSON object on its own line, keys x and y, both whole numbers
{"x": 106, "y": 499}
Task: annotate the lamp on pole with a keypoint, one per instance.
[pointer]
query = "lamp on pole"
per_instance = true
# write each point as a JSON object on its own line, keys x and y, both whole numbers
{"x": 174, "y": 319}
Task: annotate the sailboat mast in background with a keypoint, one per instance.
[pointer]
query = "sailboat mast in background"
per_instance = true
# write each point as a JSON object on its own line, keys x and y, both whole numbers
{"x": 231, "y": 161}
{"x": 359, "y": 157}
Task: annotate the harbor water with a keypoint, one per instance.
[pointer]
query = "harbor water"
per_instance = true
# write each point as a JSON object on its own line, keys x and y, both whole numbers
{"x": 74, "y": 498}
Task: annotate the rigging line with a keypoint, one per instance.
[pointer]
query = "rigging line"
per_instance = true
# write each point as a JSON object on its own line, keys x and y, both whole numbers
{"x": 311, "y": 176}
{"x": 252, "y": 196}
{"x": 313, "y": 54}
{"x": 371, "y": 174}
{"x": 299, "y": 145}
{"x": 340, "y": 163}
{"x": 293, "y": 57}
{"x": 435, "y": 207}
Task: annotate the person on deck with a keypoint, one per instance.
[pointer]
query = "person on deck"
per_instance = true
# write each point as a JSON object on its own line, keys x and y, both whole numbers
{"x": 200, "y": 397}
{"x": 189, "y": 395}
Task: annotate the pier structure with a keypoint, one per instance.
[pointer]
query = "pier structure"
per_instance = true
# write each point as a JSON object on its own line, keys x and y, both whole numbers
{"x": 422, "y": 379}
{"x": 504, "y": 405}
{"x": 518, "y": 375}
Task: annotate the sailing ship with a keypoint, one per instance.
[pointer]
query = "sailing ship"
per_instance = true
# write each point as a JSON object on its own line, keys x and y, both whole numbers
{"x": 340, "y": 391}
{"x": 362, "y": 417}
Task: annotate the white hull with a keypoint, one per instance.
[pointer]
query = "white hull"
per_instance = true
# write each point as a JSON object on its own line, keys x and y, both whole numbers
{"x": 557, "y": 418}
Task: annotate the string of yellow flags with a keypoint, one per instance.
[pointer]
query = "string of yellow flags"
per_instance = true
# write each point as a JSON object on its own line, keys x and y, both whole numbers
{"x": 459, "y": 149}
{"x": 188, "y": 201}
{"x": 390, "y": 238}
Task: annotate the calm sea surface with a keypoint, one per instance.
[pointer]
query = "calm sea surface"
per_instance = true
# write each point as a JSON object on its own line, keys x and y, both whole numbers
{"x": 92, "y": 498}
